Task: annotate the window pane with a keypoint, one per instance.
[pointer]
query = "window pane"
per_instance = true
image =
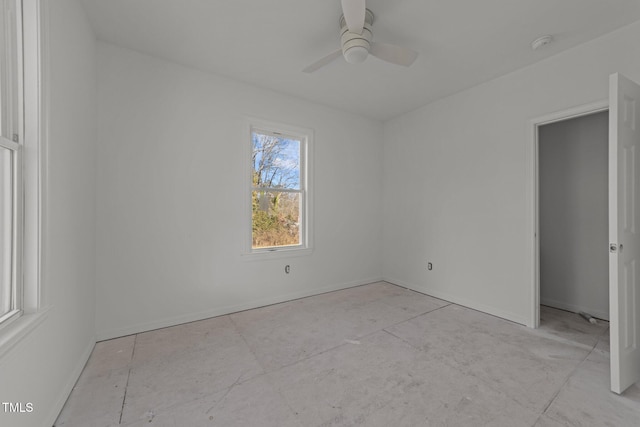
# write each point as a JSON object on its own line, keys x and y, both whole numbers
{"x": 3, "y": 72}
{"x": 6, "y": 229}
{"x": 275, "y": 161}
{"x": 9, "y": 96}
{"x": 276, "y": 218}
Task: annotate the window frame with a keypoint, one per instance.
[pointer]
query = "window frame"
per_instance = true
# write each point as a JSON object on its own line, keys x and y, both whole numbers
{"x": 13, "y": 125}
{"x": 305, "y": 136}
{"x": 32, "y": 134}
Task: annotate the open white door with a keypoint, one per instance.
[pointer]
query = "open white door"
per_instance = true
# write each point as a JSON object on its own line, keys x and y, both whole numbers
{"x": 624, "y": 220}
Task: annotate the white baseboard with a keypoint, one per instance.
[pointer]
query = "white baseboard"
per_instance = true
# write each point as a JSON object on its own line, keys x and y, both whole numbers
{"x": 220, "y": 311}
{"x": 460, "y": 301}
{"x": 575, "y": 308}
{"x": 68, "y": 387}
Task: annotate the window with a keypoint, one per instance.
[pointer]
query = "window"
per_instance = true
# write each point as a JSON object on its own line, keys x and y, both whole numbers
{"x": 10, "y": 161}
{"x": 24, "y": 115}
{"x": 279, "y": 189}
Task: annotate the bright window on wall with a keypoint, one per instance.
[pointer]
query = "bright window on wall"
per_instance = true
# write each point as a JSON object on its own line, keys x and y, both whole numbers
{"x": 280, "y": 204}
{"x": 10, "y": 161}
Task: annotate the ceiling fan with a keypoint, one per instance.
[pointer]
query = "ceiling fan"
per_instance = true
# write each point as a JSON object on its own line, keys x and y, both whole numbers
{"x": 356, "y": 35}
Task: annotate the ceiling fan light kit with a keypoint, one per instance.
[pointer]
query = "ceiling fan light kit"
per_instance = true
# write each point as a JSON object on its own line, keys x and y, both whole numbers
{"x": 356, "y": 40}
{"x": 355, "y": 47}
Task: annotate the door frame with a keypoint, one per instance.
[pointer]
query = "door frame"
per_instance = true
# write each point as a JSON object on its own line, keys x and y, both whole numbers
{"x": 533, "y": 153}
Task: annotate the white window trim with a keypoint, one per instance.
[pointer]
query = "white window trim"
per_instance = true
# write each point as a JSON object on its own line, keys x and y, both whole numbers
{"x": 11, "y": 141}
{"x": 35, "y": 310}
{"x": 305, "y": 135}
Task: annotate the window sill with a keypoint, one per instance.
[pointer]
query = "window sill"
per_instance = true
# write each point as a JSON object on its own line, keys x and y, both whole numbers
{"x": 276, "y": 254}
{"x": 16, "y": 331}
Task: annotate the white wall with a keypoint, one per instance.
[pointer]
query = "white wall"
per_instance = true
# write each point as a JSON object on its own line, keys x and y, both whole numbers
{"x": 44, "y": 366}
{"x": 574, "y": 220}
{"x": 171, "y": 191}
{"x": 458, "y": 177}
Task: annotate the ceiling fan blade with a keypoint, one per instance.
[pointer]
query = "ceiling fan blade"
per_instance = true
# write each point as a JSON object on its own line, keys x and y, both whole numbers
{"x": 354, "y": 11}
{"x": 394, "y": 54}
{"x": 322, "y": 62}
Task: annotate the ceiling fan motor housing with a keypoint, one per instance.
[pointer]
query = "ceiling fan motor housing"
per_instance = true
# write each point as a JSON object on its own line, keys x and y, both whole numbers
{"x": 355, "y": 47}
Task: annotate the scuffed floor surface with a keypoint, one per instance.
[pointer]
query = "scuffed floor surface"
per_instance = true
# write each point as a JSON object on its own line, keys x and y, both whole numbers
{"x": 375, "y": 355}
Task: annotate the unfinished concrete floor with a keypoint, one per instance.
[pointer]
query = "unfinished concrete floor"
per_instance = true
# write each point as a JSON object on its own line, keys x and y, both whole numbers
{"x": 377, "y": 355}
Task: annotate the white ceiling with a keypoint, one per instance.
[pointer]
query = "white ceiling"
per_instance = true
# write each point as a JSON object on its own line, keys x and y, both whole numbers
{"x": 268, "y": 42}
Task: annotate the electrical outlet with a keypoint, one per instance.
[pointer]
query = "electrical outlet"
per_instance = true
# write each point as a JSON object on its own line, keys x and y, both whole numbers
{"x": 429, "y": 266}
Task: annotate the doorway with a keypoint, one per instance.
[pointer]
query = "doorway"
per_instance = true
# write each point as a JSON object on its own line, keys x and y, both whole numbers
{"x": 557, "y": 137}
{"x": 573, "y": 214}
